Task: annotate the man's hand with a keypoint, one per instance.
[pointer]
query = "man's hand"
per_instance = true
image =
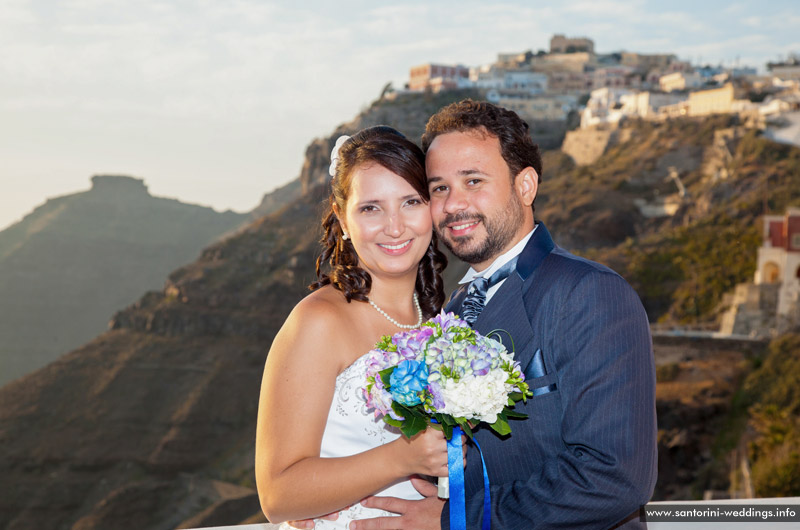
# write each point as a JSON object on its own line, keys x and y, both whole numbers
{"x": 424, "y": 514}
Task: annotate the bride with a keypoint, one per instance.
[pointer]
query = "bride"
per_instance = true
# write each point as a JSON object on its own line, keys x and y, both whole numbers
{"x": 318, "y": 450}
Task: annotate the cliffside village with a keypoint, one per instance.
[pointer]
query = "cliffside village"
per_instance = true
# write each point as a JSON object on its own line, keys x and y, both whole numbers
{"x": 606, "y": 88}
{"x": 572, "y": 80}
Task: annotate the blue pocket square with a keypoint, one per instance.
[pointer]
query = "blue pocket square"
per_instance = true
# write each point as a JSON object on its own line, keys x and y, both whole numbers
{"x": 536, "y": 369}
{"x": 544, "y": 389}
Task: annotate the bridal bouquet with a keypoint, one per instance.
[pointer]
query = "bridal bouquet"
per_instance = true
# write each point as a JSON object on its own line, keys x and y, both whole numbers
{"x": 446, "y": 373}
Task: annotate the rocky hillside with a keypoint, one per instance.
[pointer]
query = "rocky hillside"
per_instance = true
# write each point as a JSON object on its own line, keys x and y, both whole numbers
{"x": 151, "y": 424}
{"x": 675, "y": 208}
{"x": 77, "y": 258}
{"x": 134, "y": 429}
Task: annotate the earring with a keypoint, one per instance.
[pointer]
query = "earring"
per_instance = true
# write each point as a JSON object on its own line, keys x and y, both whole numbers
{"x": 345, "y": 236}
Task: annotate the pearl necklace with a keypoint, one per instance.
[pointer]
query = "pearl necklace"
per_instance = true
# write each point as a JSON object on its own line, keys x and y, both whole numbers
{"x": 395, "y": 322}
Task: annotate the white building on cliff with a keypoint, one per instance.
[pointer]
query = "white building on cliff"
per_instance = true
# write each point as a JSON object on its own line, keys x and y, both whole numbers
{"x": 779, "y": 259}
{"x": 772, "y": 302}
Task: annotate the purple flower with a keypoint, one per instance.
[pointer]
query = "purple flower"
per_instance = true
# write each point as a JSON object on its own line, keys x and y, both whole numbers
{"x": 480, "y": 366}
{"x": 381, "y": 400}
{"x": 408, "y": 381}
{"x": 449, "y": 320}
{"x": 411, "y": 344}
{"x": 435, "y": 400}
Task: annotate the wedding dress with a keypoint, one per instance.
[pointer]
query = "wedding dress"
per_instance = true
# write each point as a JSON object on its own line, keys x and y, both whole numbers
{"x": 350, "y": 429}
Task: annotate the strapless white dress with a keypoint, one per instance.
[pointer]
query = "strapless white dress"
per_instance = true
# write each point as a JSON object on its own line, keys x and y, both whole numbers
{"x": 350, "y": 429}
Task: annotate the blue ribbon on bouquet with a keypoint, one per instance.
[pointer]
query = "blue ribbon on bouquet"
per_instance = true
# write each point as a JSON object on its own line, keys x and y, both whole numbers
{"x": 455, "y": 468}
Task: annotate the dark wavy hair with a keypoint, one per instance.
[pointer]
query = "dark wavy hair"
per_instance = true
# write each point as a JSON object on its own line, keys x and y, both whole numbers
{"x": 516, "y": 145}
{"x": 387, "y": 147}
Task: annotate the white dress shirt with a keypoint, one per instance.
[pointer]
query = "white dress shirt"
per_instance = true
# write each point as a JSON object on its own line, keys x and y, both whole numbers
{"x": 496, "y": 264}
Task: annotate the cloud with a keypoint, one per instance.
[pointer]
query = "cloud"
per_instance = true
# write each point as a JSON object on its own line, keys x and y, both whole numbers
{"x": 735, "y": 9}
{"x": 607, "y": 8}
{"x": 775, "y": 22}
{"x": 257, "y": 79}
{"x": 14, "y": 16}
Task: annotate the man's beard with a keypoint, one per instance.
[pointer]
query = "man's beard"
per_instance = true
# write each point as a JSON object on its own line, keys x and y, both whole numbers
{"x": 500, "y": 230}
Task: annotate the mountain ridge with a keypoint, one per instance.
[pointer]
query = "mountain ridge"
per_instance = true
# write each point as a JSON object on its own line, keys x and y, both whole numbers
{"x": 76, "y": 258}
{"x": 167, "y": 397}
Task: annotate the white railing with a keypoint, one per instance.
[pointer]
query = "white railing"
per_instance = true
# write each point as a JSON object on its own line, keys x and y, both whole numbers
{"x": 791, "y": 503}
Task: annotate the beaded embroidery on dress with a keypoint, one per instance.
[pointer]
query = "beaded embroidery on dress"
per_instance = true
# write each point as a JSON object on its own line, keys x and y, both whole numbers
{"x": 351, "y": 429}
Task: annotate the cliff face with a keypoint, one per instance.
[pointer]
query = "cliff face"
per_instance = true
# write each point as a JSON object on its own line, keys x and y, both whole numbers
{"x": 151, "y": 424}
{"x": 277, "y": 199}
{"x": 71, "y": 262}
{"x": 165, "y": 400}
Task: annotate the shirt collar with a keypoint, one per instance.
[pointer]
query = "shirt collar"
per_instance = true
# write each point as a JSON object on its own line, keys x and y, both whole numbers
{"x": 499, "y": 261}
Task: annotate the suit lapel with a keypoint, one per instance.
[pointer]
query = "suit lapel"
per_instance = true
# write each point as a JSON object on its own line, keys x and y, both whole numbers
{"x": 506, "y": 312}
{"x": 538, "y": 248}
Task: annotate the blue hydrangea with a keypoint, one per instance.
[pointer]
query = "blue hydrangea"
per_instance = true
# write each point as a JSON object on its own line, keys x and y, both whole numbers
{"x": 408, "y": 381}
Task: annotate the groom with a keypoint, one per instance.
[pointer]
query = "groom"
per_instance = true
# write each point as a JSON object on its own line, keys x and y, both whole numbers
{"x": 586, "y": 455}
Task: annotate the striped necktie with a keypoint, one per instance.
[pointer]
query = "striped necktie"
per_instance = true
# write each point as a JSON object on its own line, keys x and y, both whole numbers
{"x": 474, "y": 302}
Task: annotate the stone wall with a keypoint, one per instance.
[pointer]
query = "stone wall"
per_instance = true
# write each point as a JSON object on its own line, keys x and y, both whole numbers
{"x": 752, "y": 310}
{"x": 585, "y": 146}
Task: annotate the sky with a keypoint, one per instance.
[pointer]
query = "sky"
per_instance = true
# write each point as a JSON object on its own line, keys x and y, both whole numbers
{"x": 213, "y": 102}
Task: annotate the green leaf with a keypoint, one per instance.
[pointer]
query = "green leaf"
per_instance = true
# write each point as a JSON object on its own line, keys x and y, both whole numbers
{"x": 515, "y": 414}
{"x": 413, "y": 425}
{"x": 501, "y": 427}
{"x": 416, "y": 411}
{"x": 400, "y": 410}
{"x": 386, "y": 344}
{"x": 448, "y": 430}
{"x": 393, "y": 422}
{"x": 385, "y": 374}
{"x": 466, "y": 428}
{"x": 445, "y": 419}
{"x": 500, "y": 340}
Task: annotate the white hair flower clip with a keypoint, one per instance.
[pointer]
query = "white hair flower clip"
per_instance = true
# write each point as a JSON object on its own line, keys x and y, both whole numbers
{"x": 335, "y": 153}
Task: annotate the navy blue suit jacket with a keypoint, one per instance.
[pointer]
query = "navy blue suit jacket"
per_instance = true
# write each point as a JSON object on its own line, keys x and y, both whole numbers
{"x": 586, "y": 455}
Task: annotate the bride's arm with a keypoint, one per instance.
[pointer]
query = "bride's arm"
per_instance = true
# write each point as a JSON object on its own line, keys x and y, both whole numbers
{"x": 296, "y": 393}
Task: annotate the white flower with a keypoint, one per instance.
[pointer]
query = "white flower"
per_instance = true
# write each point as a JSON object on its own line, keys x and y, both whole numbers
{"x": 476, "y": 397}
{"x": 335, "y": 153}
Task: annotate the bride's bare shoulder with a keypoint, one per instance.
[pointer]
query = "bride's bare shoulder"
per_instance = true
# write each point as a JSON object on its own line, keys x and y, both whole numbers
{"x": 324, "y": 310}
{"x": 325, "y": 302}
{"x": 316, "y": 330}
